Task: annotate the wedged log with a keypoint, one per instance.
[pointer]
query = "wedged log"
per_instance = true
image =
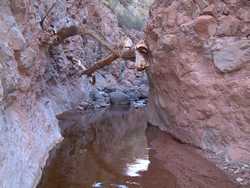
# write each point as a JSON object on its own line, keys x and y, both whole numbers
{"x": 67, "y": 32}
{"x": 126, "y": 54}
{"x": 116, "y": 52}
{"x": 100, "y": 64}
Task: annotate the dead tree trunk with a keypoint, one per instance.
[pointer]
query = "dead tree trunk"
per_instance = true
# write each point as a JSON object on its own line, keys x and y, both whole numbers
{"x": 115, "y": 52}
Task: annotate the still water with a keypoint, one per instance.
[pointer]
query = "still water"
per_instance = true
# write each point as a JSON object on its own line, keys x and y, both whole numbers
{"x": 118, "y": 149}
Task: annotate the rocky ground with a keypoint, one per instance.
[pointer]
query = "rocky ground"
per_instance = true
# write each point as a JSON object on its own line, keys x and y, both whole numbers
{"x": 239, "y": 172}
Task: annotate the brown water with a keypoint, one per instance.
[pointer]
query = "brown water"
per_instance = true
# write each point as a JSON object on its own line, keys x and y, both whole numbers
{"x": 116, "y": 149}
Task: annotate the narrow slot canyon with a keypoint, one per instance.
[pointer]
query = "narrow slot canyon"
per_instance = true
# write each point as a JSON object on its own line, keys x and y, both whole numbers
{"x": 124, "y": 94}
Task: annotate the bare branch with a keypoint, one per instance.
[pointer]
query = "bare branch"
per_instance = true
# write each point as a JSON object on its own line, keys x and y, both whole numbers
{"x": 126, "y": 54}
{"x": 67, "y": 32}
{"x": 46, "y": 15}
{"x": 84, "y": 30}
{"x": 64, "y": 33}
{"x": 100, "y": 64}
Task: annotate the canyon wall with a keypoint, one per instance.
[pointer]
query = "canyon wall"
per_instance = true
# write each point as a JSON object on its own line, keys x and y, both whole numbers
{"x": 200, "y": 73}
{"x": 37, "y": 84}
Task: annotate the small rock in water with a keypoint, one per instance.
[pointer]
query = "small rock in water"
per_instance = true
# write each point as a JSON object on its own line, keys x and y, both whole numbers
{"x": 139, "y": 104}
{"x": 119, "y": 98}
{"x": 121, "y": 186}
{"x": 85, "y": 105}
{"x": 239, "y": 179}
{"x": 246, "y": 166}
{"x": 97, "y": 185}
{"x": 237, "y": 171}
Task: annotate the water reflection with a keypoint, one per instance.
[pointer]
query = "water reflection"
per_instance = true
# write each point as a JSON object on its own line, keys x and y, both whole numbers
{"x": 139, "y": 165}
{"x": 109, "y": 149}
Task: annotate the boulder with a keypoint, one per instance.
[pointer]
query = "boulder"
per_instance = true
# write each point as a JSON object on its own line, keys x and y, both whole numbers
{"x": 231, "y": 53}
{"x": 119, "y": 98}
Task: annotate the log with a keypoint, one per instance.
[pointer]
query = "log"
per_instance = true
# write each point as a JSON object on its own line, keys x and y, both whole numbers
{"x": 100, "y": 64}
{"x": 64, "y": 33}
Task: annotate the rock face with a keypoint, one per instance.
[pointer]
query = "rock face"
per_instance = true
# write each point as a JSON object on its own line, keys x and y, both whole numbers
{"x": 131, "y": 14}
{"x": 200, "y": 73}
{"x": 37, "y": 83}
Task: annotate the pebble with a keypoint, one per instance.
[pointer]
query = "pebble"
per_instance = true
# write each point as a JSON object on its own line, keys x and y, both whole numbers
{"x": 237, "y": 171}
{"x": 97, "y": 185}
{"x": 239, "y": 179}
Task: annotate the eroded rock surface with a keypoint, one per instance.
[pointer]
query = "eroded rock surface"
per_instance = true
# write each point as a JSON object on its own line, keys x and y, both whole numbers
{"x": 200, "y": 73}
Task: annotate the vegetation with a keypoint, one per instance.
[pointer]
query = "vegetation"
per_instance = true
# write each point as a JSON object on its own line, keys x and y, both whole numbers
{"x": 131, "y": 14}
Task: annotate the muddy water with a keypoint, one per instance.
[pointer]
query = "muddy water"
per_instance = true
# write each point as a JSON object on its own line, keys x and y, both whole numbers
{"x": 116, "y": 149}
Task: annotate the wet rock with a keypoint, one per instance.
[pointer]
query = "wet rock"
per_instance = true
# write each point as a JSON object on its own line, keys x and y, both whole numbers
{"x": 133, "y": 94}
{"x": 100, "y": 99}
{"x": 144, "y": 92}
{"x": 139, "y": 103}
{"x": 119, "y": 98}
{"x": 239, "y": 179}
{"x": 85, "y": 105}
{"x": 97, "y": 185}
{"x": 109, "y": 90}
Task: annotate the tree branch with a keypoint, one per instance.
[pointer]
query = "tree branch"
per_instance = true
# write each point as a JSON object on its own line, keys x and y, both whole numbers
{"x": 128, "y": 54}
{"x": 84, "y": 30}
{"x": 46, "y": 15}
{"x": 64, "y": 33}
{"x": 100, "y": 64}
{"x": 67, "y": 32}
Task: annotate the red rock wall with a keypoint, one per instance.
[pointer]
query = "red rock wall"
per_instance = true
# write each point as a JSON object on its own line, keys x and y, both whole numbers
{"x": 200, "y": 73}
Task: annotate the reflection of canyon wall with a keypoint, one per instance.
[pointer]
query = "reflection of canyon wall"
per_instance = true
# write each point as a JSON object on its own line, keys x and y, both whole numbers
{"x": 36, "y": 85}
{"x": 121, "y": 137}
{"x": 200, "y": 72}
{"x": 187, "y": 167}
{"x": 97, "y": 147}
